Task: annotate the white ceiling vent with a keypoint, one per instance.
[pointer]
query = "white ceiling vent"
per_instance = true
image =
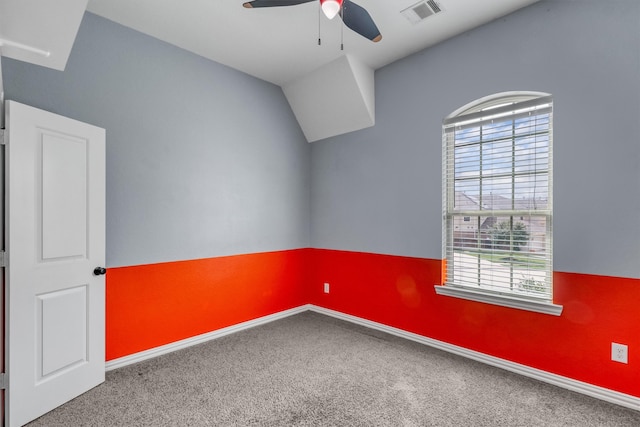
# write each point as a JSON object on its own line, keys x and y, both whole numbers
{"x": 421, "y": 11}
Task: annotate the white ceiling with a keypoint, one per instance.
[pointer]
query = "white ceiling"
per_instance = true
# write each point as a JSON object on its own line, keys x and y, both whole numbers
{"x": 280, "y": 44}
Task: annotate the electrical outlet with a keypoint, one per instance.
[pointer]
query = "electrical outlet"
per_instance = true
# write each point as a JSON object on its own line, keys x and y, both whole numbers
{"x": 326, "y": 288}
{"x": 619, "y": 352}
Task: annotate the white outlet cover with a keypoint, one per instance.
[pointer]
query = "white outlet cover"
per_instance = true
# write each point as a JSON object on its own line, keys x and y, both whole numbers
{"x": 619, "y": 353}
{"x": 326, "y": 288}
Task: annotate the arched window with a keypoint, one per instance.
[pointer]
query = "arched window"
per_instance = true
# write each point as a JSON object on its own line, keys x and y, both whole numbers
{"x": 497, "y": 201}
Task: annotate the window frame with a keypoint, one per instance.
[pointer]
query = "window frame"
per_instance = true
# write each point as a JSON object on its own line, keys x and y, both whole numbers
{"x": 499, "y": 105}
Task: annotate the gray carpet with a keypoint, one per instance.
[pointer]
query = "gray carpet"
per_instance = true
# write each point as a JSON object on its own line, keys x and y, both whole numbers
{"x": 313, "y": 370}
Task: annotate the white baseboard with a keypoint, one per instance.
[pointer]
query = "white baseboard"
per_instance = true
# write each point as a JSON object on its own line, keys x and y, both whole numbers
{"x": 199, "y": 339}
{"x": 601, "y": 393}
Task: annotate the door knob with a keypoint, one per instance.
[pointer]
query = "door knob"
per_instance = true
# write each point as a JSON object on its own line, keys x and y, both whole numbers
{"x": 99, "y": 271}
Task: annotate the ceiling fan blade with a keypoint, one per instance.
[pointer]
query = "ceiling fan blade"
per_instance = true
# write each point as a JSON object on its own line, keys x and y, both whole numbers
{"x": 272, "y": 3}
{"x": 359, "y": 20}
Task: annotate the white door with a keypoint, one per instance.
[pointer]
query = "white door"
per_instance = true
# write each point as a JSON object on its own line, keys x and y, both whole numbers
{"x": 55, "y": 231}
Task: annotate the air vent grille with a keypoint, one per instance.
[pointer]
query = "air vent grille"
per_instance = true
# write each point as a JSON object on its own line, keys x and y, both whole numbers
{"x": 434, "y": 6}
{"x": 421, "y": 11}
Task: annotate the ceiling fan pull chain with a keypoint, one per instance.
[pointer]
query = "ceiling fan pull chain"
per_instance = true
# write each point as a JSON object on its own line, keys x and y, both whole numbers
{"x": 319, "y": 10}
{"x": 342, "y": 28}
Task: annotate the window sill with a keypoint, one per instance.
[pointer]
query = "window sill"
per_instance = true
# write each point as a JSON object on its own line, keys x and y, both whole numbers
{"x": 502, "y": 300}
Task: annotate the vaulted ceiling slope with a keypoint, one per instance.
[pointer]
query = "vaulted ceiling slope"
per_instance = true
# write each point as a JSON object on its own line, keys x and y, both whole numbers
{"x": 39, "y": 31}
{"x": 330, "y": 89}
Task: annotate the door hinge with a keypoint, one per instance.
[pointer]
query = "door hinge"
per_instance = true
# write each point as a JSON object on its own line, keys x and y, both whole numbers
{"x": 3, "y": 259}
{"x": 3, "y": 381}
{"x": 1, "y": 136}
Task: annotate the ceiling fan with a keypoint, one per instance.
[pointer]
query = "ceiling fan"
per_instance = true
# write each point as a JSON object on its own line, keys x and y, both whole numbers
{"x": 354, "y": 16}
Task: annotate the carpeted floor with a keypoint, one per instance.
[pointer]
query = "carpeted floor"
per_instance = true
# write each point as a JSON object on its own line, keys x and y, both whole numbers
{"x": 314, "y": 370}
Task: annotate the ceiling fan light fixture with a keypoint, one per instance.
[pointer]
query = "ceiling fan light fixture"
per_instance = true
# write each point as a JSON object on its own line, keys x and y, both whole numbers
{"x": 331, "y": 7}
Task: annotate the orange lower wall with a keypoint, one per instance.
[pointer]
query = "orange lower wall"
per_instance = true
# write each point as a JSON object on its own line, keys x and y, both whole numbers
{"x": 399, "y": 292}
{"x": 152, "y": 305}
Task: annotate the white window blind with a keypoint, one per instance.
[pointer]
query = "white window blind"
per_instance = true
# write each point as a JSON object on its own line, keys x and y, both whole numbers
{"x": 497, "y": 198}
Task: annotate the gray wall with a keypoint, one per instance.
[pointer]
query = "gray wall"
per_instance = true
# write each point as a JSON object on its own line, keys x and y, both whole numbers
{"x": 379, "y": 190}
{"x": 202, "y": 160}
{"x": 206, "y": 161}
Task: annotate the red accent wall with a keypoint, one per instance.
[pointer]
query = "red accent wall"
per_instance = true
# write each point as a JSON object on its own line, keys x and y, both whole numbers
{"x": 152, "y": 305}
{"x": 399, "y": 292}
